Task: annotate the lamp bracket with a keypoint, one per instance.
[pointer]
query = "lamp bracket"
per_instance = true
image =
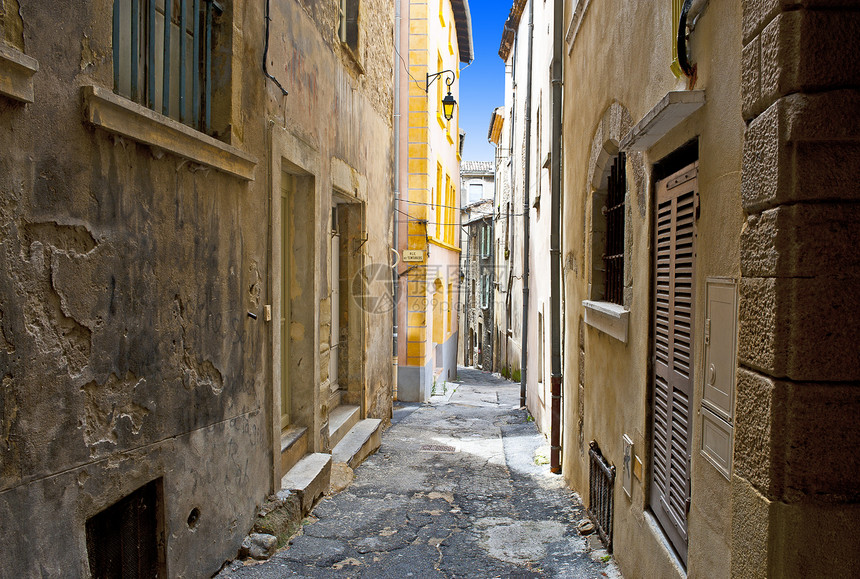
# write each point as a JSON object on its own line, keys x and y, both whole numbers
{"x": 431, "y": 78}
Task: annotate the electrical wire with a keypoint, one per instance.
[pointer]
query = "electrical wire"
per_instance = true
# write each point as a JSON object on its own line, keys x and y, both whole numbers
{"x": 415, "y": 80}
{"x": 266, "y": 54}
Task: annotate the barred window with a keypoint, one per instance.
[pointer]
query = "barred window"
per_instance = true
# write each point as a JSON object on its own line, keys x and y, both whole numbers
{"x": 613, "y": 257}
{"x": 163, "y": 56}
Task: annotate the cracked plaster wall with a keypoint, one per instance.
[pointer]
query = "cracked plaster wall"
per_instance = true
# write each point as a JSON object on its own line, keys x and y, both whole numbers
{"x": 126, "y": 353}
{"x": 126, "y": 275}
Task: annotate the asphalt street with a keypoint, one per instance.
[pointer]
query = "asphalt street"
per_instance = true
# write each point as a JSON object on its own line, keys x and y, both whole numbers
{"x": 459, "y": 488}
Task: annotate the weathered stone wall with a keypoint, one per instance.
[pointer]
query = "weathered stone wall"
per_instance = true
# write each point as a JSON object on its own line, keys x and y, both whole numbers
{"x": 474, "y": 266}
{"x": 127, "y": 352}
{"x": 796, "y": 469}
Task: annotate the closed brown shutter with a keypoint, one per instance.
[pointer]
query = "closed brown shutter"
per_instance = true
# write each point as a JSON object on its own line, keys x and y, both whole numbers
{"x": 672, "y": 374}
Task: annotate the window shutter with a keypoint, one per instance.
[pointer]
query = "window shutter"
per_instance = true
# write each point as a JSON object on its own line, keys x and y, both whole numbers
{"x": 673, "y": 379}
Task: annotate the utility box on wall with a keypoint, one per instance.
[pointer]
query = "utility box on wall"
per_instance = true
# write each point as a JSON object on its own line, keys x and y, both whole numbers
{"x": 721, "y": 330}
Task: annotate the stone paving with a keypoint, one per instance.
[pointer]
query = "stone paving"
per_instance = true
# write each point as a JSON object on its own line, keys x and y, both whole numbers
{"x": 459, "y": 488}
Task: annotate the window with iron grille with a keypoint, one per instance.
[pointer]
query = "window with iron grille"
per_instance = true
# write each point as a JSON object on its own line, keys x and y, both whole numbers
{"x": 127, "y": 538}
{"x": 614, "y": 210}
{"x": 164, "y": 56}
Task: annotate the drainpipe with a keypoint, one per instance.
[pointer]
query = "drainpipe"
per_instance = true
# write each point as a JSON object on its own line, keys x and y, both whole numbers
{"x": 395, "y": 233}
{"x": 555, "y": 241}
{"x": 526, "y": 208}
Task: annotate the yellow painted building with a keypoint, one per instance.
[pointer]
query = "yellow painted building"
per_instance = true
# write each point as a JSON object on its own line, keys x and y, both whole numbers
{"x": 434, "y": 37}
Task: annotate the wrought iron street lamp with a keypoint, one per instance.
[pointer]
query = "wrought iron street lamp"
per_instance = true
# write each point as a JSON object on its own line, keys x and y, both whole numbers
{"x": 448, "y": 103}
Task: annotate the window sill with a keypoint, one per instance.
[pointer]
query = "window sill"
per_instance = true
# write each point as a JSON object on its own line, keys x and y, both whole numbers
{"x": 16, "y": 74}
{"x": 353, "y": 57}
{"x": 121, "y": 116}
{"x": 607, "y": 317}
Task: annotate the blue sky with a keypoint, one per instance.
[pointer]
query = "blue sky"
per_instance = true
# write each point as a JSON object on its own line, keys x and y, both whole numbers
{"x": 482, "y": 85}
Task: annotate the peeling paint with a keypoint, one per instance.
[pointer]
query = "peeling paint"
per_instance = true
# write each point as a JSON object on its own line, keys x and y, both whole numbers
{"x": 201, "y": 374}
{"x": 5, "y": 342}
{"x": 297, "y": 331}
{"x": 255, "y": 288}
{"x": 55, "y": 236}
{"x": 106, "y": 404}
{"x": 9, "y": 410}
{"x": 51, "y": 328}
{"x": 90, "y": 56}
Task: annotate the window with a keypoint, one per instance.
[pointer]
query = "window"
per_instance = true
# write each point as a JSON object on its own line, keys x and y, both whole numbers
{"x": 166, "y": 63}
{"x": 348, "y": 24}
{"x": 440, "y": 216}
{"x": 486, "y": 286}
{"x": 449, "y": 211}
{"x": 613, "y": 256}
{"x": 485, "y": 240}
{"x": 476, "y": 192}
{"x": 540, "y": 348}
{"x": 440, "y": 83}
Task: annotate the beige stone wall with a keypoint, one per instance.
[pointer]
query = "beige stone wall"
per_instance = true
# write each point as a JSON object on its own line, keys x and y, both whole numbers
{"x": 795, "y": 465}
{"x": 616, "y": 69}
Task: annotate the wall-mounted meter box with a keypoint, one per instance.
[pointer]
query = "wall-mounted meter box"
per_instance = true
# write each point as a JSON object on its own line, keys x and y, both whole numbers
{"x": 718, "y": 391}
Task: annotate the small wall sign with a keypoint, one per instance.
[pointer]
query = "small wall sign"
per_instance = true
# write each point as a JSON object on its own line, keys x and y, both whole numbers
{"x": 413, "y": 255}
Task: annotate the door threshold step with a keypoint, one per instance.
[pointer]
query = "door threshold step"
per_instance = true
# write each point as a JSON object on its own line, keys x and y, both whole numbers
{"x": 309, "y": 479}
{"x": 340, "y": 420}
{"x": 360, "y": 442}
{"x": 294, "y": 446}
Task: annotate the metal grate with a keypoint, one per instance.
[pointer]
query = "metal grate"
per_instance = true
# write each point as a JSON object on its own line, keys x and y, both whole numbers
{"x": 613, "y": 259}
{"x": 600, "y": 493}
{"x": 123, "y": 540}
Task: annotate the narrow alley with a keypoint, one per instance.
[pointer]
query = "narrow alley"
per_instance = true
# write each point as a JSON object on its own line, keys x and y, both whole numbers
{"x": 459, "y": 488}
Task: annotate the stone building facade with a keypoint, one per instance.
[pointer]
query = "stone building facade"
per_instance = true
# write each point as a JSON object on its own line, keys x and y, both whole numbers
{"x": 526, "y": 49}
{"x": 710, "y": 282}
{"x": 166, "y": 291}
{"x": 477, "y": 286}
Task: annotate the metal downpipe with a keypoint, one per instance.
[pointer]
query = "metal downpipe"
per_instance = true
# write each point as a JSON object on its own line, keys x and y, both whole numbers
{"x": 555, "y": 240}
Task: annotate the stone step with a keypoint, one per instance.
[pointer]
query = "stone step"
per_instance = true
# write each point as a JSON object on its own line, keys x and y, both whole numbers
{"x": 309, "y": 479}
{"x": 335, "y": 399}
{"x": 340, "y": 420}
{"x": 294, "y": 445}
{"x": 360, "y": 442}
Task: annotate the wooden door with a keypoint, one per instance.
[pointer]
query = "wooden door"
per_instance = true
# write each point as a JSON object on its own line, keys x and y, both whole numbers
{"x": 288, "y": 188}
{"x": 672, "y": 375}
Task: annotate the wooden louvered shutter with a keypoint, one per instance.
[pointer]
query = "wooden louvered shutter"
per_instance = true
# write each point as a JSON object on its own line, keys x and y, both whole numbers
{"x": 672, "y": 337}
